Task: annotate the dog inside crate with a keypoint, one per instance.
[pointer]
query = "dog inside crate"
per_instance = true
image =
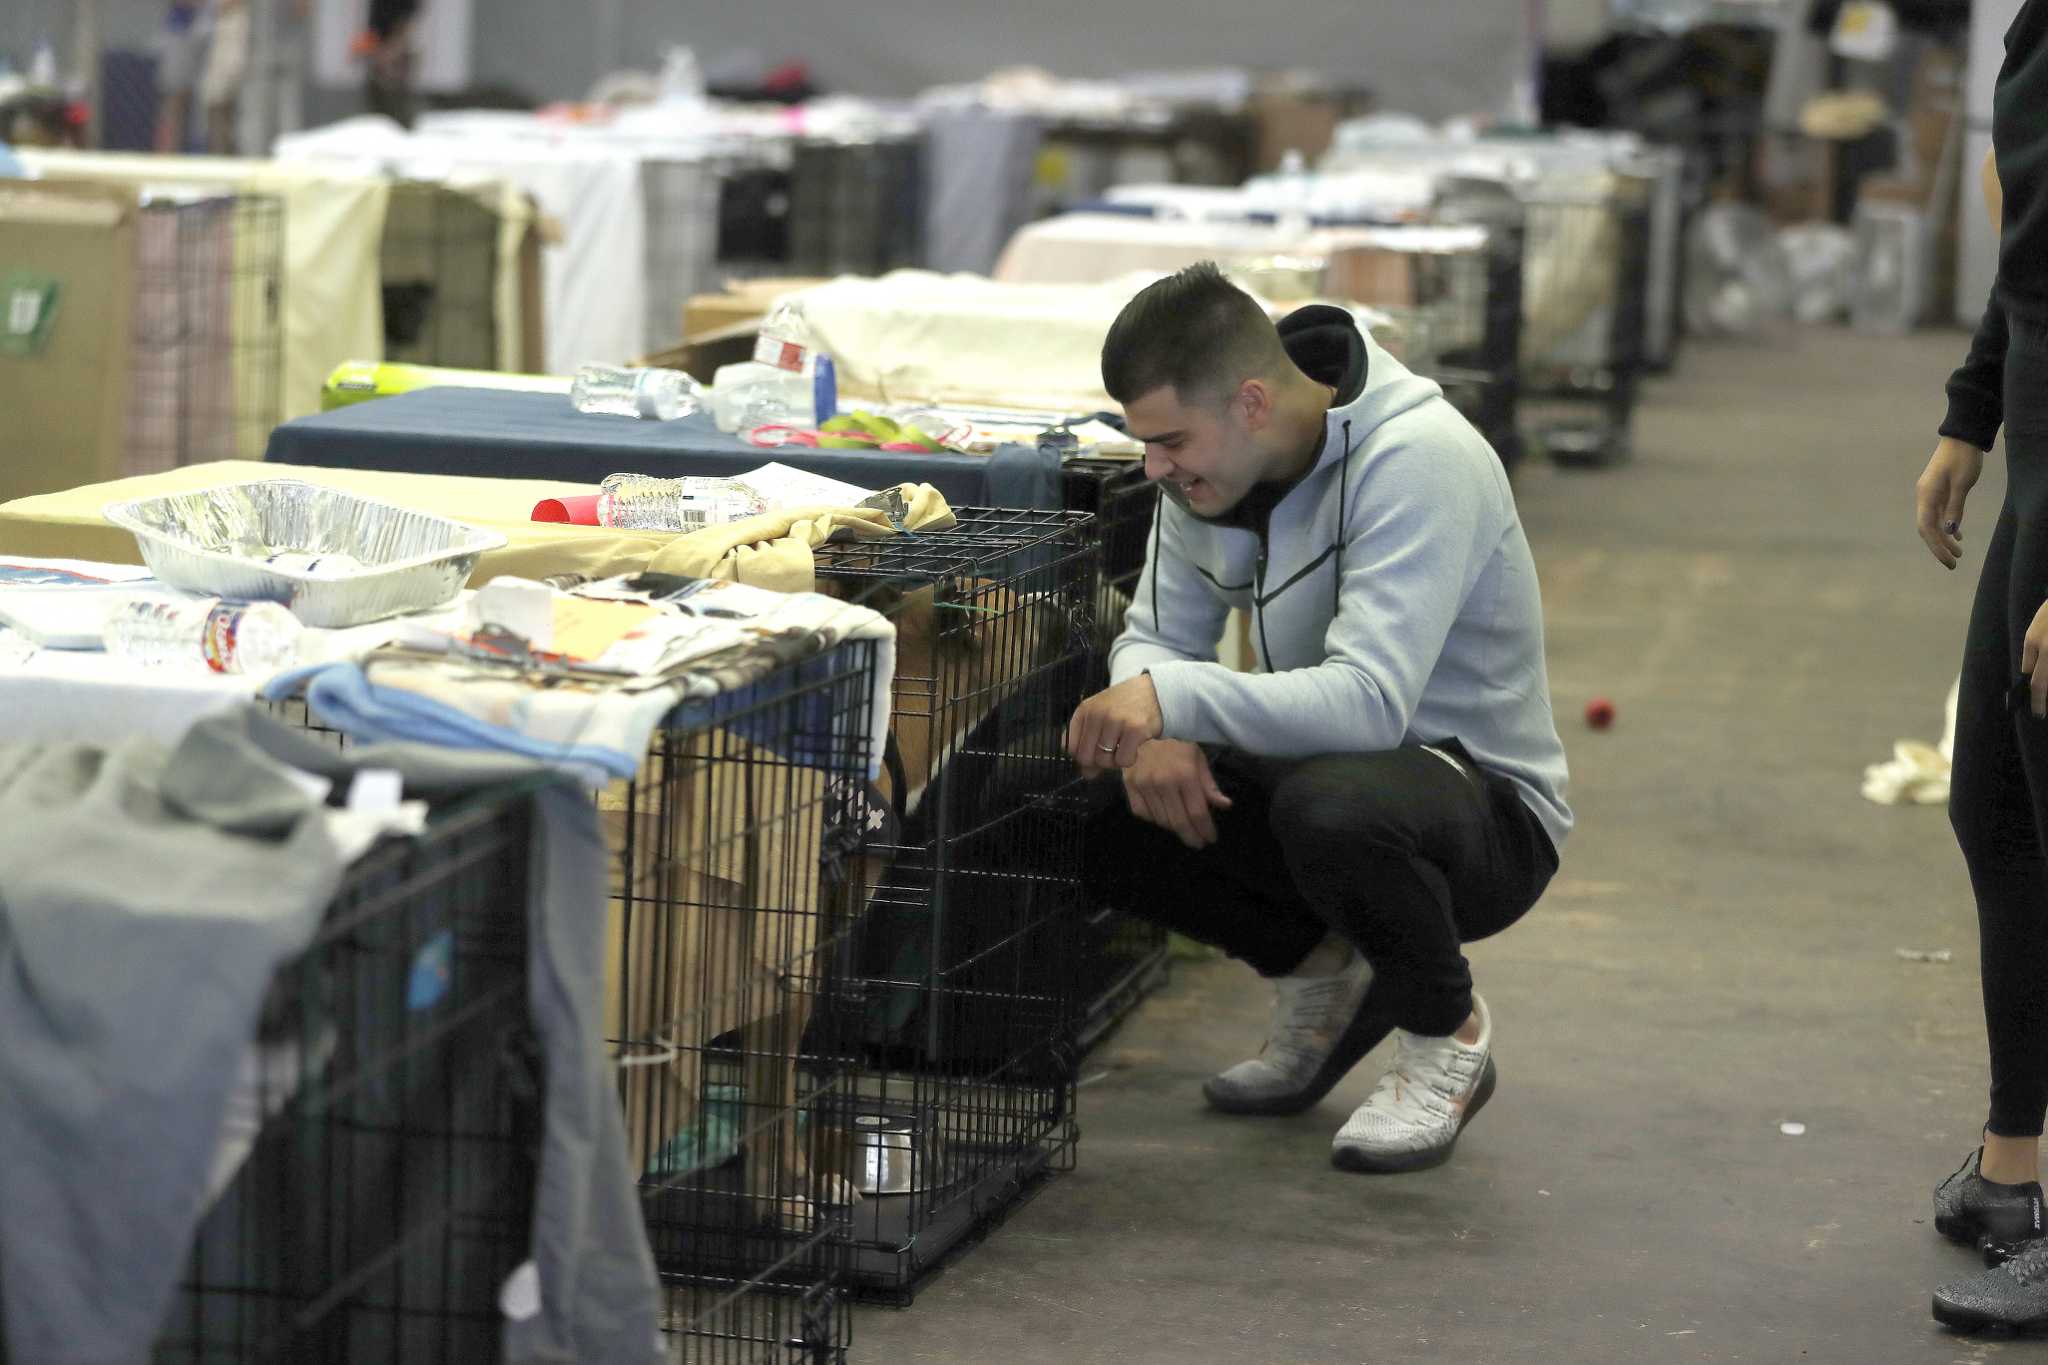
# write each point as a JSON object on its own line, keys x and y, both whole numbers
{"x": 986, "y": 679}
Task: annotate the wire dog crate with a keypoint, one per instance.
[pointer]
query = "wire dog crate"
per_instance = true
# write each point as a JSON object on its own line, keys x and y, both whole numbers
{"x": 856, "y": 207}
{"x": 374, "y": 1184}
{"x": 684, "y": 198}
{"x": 735, "y": 888}
{"x": 1585, "y": 287}
{"x": 440, "y": 273}
{"x": 1452, "y": 291}
{"x": 208, "y": 335}
{"x": 1121, "y": 959}
{"x": 960, "y": 985}
{"x": 1120, "y": 498}
{"x": 753, "y": 220}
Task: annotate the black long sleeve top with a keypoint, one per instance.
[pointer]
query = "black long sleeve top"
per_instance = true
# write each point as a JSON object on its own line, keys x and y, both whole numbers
{"x": 2019, "y": 136}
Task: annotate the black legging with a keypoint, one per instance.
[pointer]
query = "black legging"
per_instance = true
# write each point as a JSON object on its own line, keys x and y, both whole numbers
{"x": 1998, "y": 799}
{"x": 1404, "y": 853}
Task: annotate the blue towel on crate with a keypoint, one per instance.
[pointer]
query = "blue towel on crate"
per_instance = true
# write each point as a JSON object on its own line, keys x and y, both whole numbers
{"x": 340, "y": 695}
{"x": 760, "y": 714}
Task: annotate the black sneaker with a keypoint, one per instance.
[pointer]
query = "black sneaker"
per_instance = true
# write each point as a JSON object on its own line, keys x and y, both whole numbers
{"x": 1994, "y": 1218}
{"x": 2014, "y": 1295}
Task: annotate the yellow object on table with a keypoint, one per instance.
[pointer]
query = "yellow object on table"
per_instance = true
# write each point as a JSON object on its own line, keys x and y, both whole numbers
{"x": 359, "y": 381}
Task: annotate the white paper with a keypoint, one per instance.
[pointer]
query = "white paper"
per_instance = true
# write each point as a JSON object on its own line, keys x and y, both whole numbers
{"x": 527, "y": 609}
{"x": 785, "y": 487}
{"x": 63, "y": 603}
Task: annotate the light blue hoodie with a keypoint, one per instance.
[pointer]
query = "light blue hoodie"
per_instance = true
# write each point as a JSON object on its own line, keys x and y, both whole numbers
{"x": 1392, "y": 594}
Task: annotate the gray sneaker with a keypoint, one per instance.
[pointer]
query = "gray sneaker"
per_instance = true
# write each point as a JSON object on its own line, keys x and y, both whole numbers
{"x": 1321, "y": 1028}
{"x": 2014, "y": 1296}
{"x": 1430, "y": 1092}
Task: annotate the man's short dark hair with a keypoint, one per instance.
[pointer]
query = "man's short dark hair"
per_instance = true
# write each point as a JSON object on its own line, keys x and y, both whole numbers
{"x": 1194, "y": 331}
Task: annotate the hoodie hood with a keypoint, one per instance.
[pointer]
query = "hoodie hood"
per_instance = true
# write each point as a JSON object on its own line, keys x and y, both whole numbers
{"x": 1326, "y": 344}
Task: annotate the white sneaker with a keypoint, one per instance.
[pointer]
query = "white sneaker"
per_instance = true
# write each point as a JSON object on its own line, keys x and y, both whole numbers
{"x": 1428, "y": 1095}
{"x": 1320, "y": 1031}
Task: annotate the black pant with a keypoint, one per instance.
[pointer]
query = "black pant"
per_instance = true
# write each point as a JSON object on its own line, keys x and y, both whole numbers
{"x": 1998, "y": 798}
{"x": 1407, "y": 854}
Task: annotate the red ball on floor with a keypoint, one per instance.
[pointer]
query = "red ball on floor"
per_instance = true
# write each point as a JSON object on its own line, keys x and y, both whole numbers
{"x": 1599, "y": 713}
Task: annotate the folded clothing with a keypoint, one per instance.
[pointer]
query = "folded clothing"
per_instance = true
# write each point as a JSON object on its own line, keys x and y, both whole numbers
{"x": 598, "y": 729}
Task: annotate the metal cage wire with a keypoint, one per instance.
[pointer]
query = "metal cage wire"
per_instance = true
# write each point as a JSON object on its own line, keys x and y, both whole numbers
{"x": 734, "y": 890}
{"x": 375, "y": 1182}
{"x": 1121, "y": 959}
{"x": 208, "y": 334}
{"x": 854, "y": 206}
{"x": 734, "y": 876}
{"x": 1585, "y": 311}
{"x": 960, "y": 986}
{"x": 440, "y": 269}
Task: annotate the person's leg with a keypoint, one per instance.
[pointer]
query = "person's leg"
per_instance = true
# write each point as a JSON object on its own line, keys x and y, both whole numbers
{"x": 1410, "y": 854}
{"x": 1994, "y": 1200}
{"x": 181, "y": 50}
{"x": 170, "y": 121}
{"x": 1999, "y": 787}
{"x": 1234, "y": 895}
{"x": 1239, "y": 895}
{"x": 1991, "y": 811}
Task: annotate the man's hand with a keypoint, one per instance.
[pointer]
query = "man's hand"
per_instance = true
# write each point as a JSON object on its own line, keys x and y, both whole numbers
{"x": 1951, "y": 473}
{"x": 1171, "y": 786}
{"x": 1108, "y": 727}
{"x": 2033, "y": 665}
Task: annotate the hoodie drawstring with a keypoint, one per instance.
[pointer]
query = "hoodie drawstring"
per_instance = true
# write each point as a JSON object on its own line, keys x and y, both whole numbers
{"x": 1343, "y": 506}
{"x": 1158, "y": 517}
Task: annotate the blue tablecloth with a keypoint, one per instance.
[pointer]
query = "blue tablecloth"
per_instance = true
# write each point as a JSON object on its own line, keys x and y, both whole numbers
{"x": 500, "y": 434}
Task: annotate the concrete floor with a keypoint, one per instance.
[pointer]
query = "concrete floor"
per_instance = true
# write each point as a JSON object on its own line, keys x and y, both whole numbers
{"x": 1717, "y": 956}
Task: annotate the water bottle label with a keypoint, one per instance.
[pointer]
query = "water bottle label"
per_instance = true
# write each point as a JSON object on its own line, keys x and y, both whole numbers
{"x": 783, "y": 355}
{"x": 218, "y": 640}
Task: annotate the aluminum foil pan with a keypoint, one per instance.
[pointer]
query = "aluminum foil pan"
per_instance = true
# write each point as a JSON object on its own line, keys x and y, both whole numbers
{"x": 336, "y": 559}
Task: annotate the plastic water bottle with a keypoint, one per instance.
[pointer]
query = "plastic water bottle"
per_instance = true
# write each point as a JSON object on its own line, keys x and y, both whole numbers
{"x": 641, "y": 502}
{"x": 1295, "y": 190}
{"x": 227, "y": 637}
{"x": 753, "y": 393}
{"x": 659, "y": 395}
{"x": 788, "y": 343}
{"x": 786, "y": 340}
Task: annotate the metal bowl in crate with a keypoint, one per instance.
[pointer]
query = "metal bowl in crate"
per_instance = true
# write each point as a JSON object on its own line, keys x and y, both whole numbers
{"x": 892, "y": 1149}
{"x": 335, "y": 558}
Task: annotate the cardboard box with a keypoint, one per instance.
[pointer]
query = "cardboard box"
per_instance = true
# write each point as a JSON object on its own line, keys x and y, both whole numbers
{"x": 1294, "y": 115}
{"x": 65, "y": 393}
{"x": 701, "y": 358}
{"x": 1376, "y": 276}
{"x": 742, "y": 301}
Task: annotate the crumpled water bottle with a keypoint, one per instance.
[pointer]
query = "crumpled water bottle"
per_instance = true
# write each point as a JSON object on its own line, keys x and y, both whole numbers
{"x": 256, "y": 638}
{"x": 657, "y": 395}
{"x": 642, "y": 502}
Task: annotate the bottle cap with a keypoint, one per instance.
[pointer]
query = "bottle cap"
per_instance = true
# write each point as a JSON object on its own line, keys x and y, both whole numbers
{"x": 825, "y": 390}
